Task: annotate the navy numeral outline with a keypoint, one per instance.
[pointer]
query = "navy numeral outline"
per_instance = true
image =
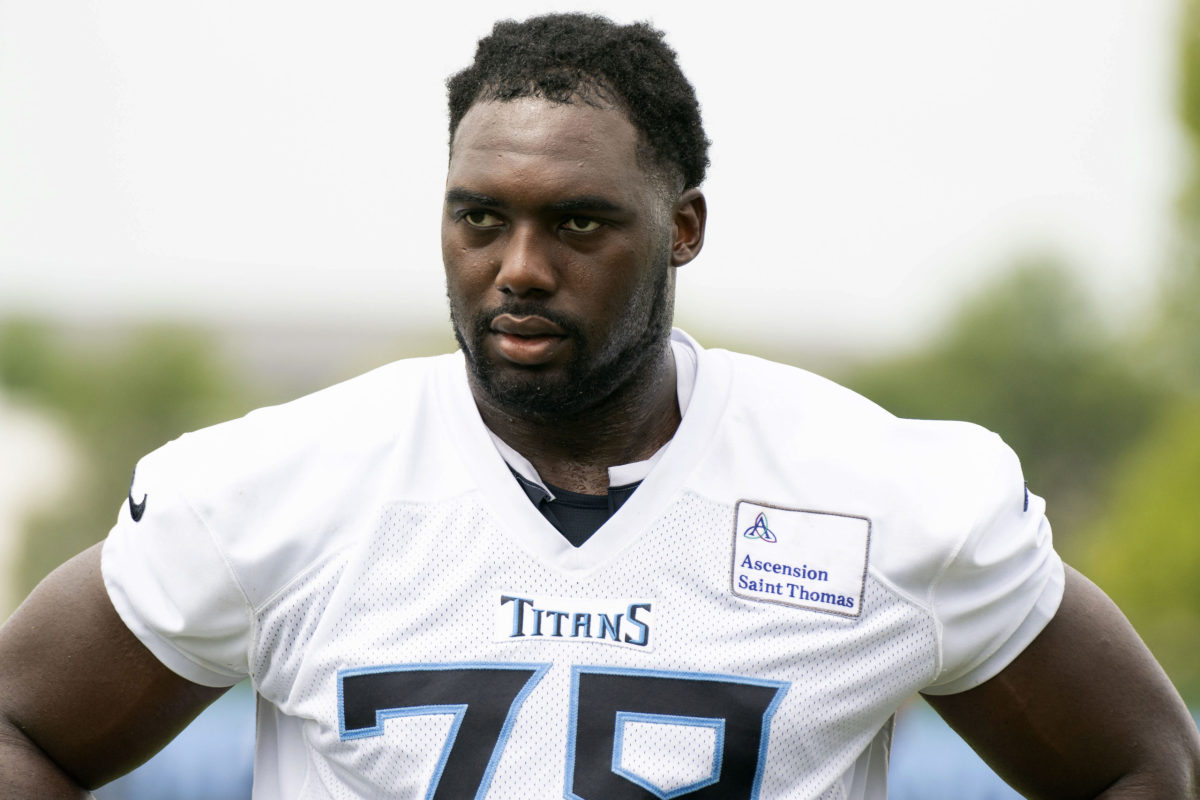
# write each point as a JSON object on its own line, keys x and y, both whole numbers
{"x": 601, "y": 697}
{"x": 491, "y": 693}
{"x": 739, "y": 710}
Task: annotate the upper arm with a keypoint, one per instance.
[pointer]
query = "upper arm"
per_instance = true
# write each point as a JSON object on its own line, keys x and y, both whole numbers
{"x": 1083, "y": 710}
{"x": 80, "y": 686}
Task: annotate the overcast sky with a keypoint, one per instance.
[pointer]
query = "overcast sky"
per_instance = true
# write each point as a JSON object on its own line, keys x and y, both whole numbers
{"x": 872, "y": 160}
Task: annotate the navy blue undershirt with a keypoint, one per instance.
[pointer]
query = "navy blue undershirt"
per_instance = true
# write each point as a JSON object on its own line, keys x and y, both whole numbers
{"x": 576, "y": 516}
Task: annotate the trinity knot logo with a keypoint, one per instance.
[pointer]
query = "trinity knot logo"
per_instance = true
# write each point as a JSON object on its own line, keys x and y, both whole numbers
{"x": 759, "y": 530}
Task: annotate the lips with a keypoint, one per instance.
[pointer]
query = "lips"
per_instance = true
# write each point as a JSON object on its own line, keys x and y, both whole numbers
{"x": 531, "y": 326}
{"x": 527, "y": 340}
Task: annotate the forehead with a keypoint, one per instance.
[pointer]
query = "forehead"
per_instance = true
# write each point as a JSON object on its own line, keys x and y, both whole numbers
{"x": 535, "y": 143}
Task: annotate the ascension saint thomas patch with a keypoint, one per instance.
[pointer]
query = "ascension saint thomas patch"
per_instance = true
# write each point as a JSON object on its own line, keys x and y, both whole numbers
{"x": 813, "y": 560}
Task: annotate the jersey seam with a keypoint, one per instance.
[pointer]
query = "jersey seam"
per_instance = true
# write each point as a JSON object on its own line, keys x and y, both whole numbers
{"x": 278, "y": 593}
{"x": 888, "y": 585}
{"x": 934, "y": 585}
{"x": 907, "y": 597}
{"x": 220, "y": 550}
{"x": 951, "y": 558}
{"x": 304, "y": 573}
{"x": 342, "y": 548}
{"x": 233, "y": 576}
{"x": 978, "y": 665}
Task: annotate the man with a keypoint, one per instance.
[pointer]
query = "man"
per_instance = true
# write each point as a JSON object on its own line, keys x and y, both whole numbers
{"x": 584, "y": 558}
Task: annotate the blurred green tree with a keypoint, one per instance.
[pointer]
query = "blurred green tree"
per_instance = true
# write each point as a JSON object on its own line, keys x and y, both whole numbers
{"x": 1027, "y": 358}
{"x": 1175, "y": 346}
{"x": 119, "y": 399}
{"x": 1144, "y": 549}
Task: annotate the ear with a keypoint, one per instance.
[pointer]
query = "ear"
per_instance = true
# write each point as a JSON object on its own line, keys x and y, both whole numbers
{"x": 687, "y": 227}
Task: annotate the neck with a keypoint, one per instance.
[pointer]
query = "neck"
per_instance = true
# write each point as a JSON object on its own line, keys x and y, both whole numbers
{"x": 575, "y": 452}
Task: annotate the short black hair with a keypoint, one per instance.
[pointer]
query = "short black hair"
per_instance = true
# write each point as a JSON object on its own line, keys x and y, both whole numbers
{"x": 565, "y": 58}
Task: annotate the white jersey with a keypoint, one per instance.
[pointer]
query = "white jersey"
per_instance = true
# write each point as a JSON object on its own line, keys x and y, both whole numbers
{"x": 796, "y": 564}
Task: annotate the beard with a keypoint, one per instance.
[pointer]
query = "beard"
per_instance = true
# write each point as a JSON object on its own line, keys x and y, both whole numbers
{"x": 591, "y": 376}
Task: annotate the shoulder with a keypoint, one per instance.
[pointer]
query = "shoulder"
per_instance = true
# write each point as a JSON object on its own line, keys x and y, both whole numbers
{"x": 228, "y": 516}
{"x": 952, "y": 531}
{"x": 285, "y": 486}
{"x": 799, "y": 440}
{"x": 372, "y": 408}
{"x": 818, "y": 422}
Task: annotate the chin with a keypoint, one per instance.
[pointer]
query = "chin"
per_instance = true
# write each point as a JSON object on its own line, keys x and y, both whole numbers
{"x": 540, "y": 394}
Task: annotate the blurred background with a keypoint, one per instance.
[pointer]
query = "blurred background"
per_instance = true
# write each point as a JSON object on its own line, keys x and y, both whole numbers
{"x": 985, "y": 211}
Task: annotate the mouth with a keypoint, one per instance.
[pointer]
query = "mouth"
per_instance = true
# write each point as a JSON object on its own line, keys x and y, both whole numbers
{"x": 527, "y": 340}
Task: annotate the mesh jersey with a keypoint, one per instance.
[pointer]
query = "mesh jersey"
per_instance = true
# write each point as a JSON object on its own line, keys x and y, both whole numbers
{"x": 796, "y": 564}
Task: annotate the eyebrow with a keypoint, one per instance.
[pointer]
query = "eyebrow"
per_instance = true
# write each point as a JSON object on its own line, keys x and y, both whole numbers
{"x": 459, "y": 195}
{"x": 584, "y": 203}
{"x": 567, "y": 206}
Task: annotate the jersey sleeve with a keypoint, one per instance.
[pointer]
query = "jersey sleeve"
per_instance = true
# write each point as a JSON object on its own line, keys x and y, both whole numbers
{"x": 171, "y": 584}
{"x": 1003, "y": 583}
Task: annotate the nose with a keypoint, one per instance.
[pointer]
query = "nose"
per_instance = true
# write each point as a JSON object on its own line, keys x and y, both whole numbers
{"x": 527, "y": 264}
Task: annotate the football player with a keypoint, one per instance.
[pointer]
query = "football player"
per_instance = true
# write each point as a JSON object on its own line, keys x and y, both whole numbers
{"x": 584, "y": 556}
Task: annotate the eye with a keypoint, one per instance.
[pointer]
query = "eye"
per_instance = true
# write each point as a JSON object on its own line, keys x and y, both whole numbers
{"x": 482, "y": 219}
{"x": 581, "y": 225}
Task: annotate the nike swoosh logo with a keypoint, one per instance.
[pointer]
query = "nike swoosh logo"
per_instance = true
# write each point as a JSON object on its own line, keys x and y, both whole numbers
{"x": 136, "y": 509}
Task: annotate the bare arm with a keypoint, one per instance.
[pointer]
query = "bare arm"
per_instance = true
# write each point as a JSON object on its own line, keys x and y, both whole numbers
{"x": 1084, "y": 712}
{"x": 82, "y": 701}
